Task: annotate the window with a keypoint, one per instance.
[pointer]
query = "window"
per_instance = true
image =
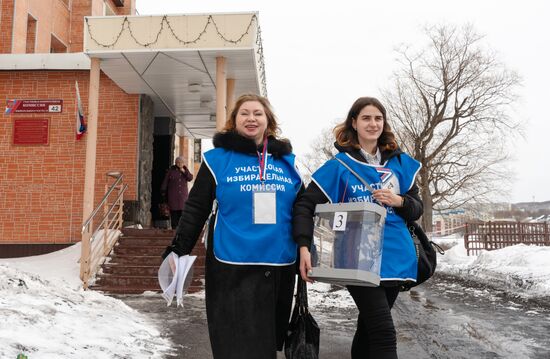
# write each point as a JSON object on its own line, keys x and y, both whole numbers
{"x": 56, "y": 46}
{"x": 31, "y": 34}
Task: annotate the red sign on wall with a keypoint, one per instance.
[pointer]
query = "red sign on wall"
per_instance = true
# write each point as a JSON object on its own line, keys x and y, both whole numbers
{"x": 31, "y": 131}
{"x": 33, "y": 106}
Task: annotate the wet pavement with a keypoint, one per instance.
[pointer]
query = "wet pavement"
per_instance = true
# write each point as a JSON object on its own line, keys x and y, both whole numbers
{"x": 444, "y": 318}
{"x": 449, "y": 318}
{"x": 188, "y": 330}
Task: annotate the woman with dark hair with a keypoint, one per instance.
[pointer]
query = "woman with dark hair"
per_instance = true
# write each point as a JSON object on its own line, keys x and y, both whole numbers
{"x": 249, "y": 183}
{"x": 367, "y": 145}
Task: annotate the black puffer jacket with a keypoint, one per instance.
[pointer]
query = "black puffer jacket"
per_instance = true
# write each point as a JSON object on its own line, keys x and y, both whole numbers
{"x": 304, "y": 207}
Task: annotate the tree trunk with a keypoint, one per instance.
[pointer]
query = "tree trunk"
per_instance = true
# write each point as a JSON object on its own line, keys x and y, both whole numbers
{"x": 427, "y": 217}
{"x": 427, "y": 200}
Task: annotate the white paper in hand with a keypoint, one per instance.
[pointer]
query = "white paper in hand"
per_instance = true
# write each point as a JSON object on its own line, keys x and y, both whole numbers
{"x": 174, "y": 276}
{"x": 184, "y": 276}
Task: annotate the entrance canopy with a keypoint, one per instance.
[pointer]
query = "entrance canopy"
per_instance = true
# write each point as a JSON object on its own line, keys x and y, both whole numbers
{"x": 175, "y": 60}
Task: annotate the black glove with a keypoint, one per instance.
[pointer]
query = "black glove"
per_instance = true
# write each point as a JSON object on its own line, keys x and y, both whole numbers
{"x": 175, "y": 247}
{"x": 167, "y": 251}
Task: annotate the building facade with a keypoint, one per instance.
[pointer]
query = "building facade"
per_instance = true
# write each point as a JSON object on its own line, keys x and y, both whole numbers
{"x": 154, "y": 100}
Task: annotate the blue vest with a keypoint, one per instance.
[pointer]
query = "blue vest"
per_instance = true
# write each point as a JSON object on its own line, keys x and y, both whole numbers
{"x": 237, "y": 239}
{"x": 340, "y": 185}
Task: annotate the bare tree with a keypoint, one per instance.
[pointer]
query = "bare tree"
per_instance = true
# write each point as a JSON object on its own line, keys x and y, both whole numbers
{"x": 321, "y": 150}
{"x": 449, "y": 103}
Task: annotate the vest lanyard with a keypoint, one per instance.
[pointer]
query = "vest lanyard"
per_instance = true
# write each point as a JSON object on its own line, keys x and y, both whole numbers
{"x": 263, "y": 161}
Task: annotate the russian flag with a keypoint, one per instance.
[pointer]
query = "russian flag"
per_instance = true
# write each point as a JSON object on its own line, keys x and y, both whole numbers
{"x": 80, "y": 121}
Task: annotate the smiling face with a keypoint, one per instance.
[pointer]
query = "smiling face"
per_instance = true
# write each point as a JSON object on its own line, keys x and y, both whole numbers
{"x": 251, "y": 121}
{"x": 369, "y": 125}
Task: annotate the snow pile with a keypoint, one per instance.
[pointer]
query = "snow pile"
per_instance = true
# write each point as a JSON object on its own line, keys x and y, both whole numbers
{"x": 46, "y": 314}
{"x": 449, "y": 241}
{"x": 522, "y": 270}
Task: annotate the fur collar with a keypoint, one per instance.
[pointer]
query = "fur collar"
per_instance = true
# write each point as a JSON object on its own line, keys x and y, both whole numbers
{"x": 235, "y": 142}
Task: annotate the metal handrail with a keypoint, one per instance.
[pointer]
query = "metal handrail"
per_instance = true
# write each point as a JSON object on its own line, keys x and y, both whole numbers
{"x": 94, "y": 250}
{"x": 94, "y": 212}
{"x": 106, "y": 215}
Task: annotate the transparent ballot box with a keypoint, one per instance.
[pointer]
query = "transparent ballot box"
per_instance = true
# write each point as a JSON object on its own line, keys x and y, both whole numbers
{"x": 347, "y": 243}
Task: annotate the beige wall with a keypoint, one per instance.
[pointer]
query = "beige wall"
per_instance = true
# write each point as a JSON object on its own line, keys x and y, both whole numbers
{"x": 6, "y": 25}
{"x": 55, "y": 17}
{"x": 52, "y": 17}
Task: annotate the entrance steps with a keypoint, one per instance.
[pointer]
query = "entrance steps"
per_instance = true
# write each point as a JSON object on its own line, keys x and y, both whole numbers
{"x": 132, "y": 265}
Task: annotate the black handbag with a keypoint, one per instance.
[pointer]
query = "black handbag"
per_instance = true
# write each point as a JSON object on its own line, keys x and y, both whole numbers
{"x": 302, "y": 340}
{"x": 425, "y": 254}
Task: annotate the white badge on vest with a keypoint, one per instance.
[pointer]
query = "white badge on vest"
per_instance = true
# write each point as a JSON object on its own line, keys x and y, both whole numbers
{"x": 265, "y": 207}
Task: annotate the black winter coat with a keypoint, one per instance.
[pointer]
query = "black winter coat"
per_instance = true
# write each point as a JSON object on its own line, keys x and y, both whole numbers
{"x": 247, "y": 306}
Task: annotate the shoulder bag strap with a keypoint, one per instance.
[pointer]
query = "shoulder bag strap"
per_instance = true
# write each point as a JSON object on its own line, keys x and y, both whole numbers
{"x": 367, "y": 186}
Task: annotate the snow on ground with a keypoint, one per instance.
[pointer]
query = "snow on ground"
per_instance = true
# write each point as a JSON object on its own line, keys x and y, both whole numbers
{"x": 522, "y": 270}
{"x": 47, "y": 314}
{"x": 328, "y": 296}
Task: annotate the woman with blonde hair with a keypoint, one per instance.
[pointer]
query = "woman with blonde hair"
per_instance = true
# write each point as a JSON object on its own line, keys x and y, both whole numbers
{"x": 249, "y": 183}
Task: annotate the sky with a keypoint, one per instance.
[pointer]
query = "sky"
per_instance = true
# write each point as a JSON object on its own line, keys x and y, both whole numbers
{"x": 47, "y": 315}
{"x": 322, "y": 55}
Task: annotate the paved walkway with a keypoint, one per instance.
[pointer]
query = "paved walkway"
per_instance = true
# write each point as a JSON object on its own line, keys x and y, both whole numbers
{"x": 188, "y": 330}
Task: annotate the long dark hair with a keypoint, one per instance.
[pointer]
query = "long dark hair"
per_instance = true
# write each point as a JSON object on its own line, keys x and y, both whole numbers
{"x": 346, "y": 135}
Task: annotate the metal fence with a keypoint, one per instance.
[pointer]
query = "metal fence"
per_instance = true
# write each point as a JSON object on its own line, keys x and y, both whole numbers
{"x": 496, "y": 235}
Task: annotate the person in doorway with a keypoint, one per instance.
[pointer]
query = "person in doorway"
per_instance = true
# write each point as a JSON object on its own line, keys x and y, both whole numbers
{"x": 249, "y": 183}
{"x": 174, "y": 189}
{"x": 367, "y": 145}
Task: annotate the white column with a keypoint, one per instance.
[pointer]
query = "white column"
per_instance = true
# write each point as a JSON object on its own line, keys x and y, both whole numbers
{"x": 89, "y": 171}
{"x": 221, "y": 93}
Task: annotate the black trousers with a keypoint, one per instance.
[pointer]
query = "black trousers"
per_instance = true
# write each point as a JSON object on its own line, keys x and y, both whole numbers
{"x": 375, "y": 336}
{"x": 175, "y": 218}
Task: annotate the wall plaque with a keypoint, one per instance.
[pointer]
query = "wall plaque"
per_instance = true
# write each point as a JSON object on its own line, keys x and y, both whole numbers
{"x": 31, "y": 131}
{"x": 34, "y": 106}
